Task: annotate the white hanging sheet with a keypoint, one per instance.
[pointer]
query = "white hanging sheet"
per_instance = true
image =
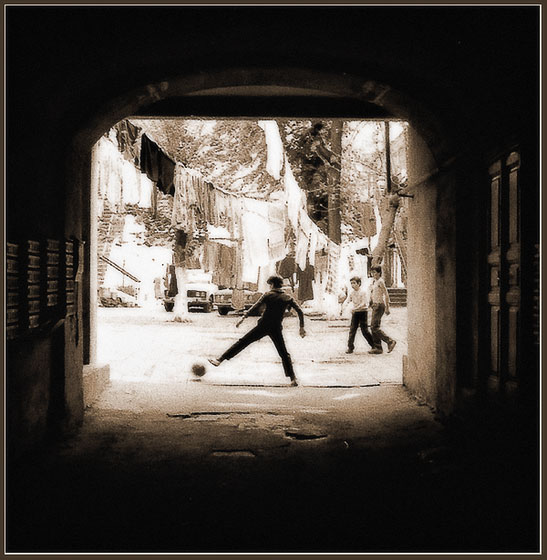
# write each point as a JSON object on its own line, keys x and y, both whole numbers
{"x": 274, "y": 161}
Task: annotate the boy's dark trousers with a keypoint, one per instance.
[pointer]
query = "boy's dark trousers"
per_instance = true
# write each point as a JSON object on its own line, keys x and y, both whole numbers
{"x": 378, "y": 334}
{"x": 359, "y": 319}
{"x": 260, "y": 331}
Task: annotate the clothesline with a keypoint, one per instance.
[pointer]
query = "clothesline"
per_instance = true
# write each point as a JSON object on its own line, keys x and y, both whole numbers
{"x": 162, "y": 170}
{"x": 262, "y": 225}
{"x": 174, "y": 161}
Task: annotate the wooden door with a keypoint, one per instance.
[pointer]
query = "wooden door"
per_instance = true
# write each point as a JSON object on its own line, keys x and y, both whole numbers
{"x": 504, "y": 262}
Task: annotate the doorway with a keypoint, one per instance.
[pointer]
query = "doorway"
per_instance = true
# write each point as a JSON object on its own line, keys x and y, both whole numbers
{"x": 429, "y": 372}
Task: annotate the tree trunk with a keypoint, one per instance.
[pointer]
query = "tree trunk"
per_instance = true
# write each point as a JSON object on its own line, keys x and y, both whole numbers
{"x": 333, "y": 182}
{"x": 180, "y": 309}
{"x": 387, "y": 214}
{"x": 388, "y": 219}
{"x": 154, "y": 202}
{"x": 387, "y": 147}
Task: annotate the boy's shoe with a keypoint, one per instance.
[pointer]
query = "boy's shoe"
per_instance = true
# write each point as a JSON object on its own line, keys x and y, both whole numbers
{"x": 391, "y": 345}
{"x": 349, "y": 351}
{"x": 214, "y": 361}
{"x": 294, "y": 383}
{"x": 375, "y": 351}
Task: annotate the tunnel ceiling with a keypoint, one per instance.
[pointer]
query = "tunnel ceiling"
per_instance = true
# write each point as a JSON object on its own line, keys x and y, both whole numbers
{"x": 264, "y": 106}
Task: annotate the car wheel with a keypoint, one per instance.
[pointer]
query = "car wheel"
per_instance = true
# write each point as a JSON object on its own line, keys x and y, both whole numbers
{"x": 209, "y": 306}
{"x": 223, "y": 310}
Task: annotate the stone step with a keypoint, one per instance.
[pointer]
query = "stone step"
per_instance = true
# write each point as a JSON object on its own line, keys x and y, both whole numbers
{"x": 397, "y": 297}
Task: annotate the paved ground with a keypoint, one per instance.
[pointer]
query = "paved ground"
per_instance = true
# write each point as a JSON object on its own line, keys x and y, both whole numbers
{"x": 240, "y": 463}
{"x": 162, "y": 351}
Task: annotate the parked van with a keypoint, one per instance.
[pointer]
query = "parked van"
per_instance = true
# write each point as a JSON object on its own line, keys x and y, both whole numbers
{"x": 200, "y": 291}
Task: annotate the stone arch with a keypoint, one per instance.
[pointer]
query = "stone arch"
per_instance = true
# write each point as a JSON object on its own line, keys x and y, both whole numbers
{"x": 272, "y": 83}
{"x": 429, "y": 371}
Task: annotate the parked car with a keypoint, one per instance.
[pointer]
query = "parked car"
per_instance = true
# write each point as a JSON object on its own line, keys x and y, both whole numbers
{"x": 111, "y": 297}
{"x": 200, "y": 291}
{"x": 201, "y": 295}
{"x": 224, "y": 303}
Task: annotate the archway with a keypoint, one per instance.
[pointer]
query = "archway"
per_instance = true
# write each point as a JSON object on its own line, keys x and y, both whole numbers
{"x": 430, "y": 370}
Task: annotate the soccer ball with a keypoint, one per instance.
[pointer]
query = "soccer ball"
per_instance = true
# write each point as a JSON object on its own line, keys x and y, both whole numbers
{"x": 198, "y": 369}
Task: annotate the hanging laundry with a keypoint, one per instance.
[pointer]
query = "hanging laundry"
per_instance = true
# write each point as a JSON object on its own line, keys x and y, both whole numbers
{"x": 179, "y": 216}
{"x": 287, "y": 267}
{"x": 332, "y": 267}
{"x": 158, "y": 167}
{"x": 322, "y": 240}
{"x": 126, "y": 136}
{"x": 236, "y": 211}
{"x": 193, "y": 254}
{"x": 264, "y": 272}
{"x": 276, "y": 237}
{"x": 212, "y": 217}
{"x": 321, "y": 262}
{"x": 227, "y": 265}
{"x": 114, "y": 182}
{"x": 108, "y": 173}
{"x": 274, "y": 160}
{"x": 249, "y": 271}
{"x": 313, "y": 246}
{"x": 149, "y": 158}
{"x": 167, "y": 174}
{"x": 294, "y": 196}
{"x": 207, "y": 252}
{"x": 222, "y": 208}
{"x": 95, "y": 175}
{"x": 255, "y": 224}
{"x": 302, "y": 244}
{"x": 130, "y": 189}
{"x": 308, "y": 227}
{"x": 146, "y": 190}
{"x": 305, "y": 283}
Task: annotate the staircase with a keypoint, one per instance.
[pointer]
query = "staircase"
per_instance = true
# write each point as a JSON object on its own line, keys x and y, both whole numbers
{"x": 110, "y": 225}
{"x": 397, "y": 297}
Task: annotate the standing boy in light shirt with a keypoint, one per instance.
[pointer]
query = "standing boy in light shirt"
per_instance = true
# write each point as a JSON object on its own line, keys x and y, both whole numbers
{"x": 358, "y": 299}
{"x": 379, "y": 301}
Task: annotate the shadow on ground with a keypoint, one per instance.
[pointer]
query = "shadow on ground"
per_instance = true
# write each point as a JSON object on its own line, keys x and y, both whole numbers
{"x": 145, "y": 482}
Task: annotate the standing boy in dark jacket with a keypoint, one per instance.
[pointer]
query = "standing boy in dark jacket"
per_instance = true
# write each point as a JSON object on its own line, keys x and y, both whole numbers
{"x": 276, "y": 301}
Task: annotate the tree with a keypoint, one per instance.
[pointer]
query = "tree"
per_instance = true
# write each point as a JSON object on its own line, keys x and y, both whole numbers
{"x": 395, "y": 189}
{"x": 314, "y": 151}
{"x": 333, "y": 161}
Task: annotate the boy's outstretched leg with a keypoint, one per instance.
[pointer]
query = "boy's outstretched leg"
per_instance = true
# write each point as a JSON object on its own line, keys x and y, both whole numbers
{"x": 279, "y": 343}
{"x": 253, "y": 335}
